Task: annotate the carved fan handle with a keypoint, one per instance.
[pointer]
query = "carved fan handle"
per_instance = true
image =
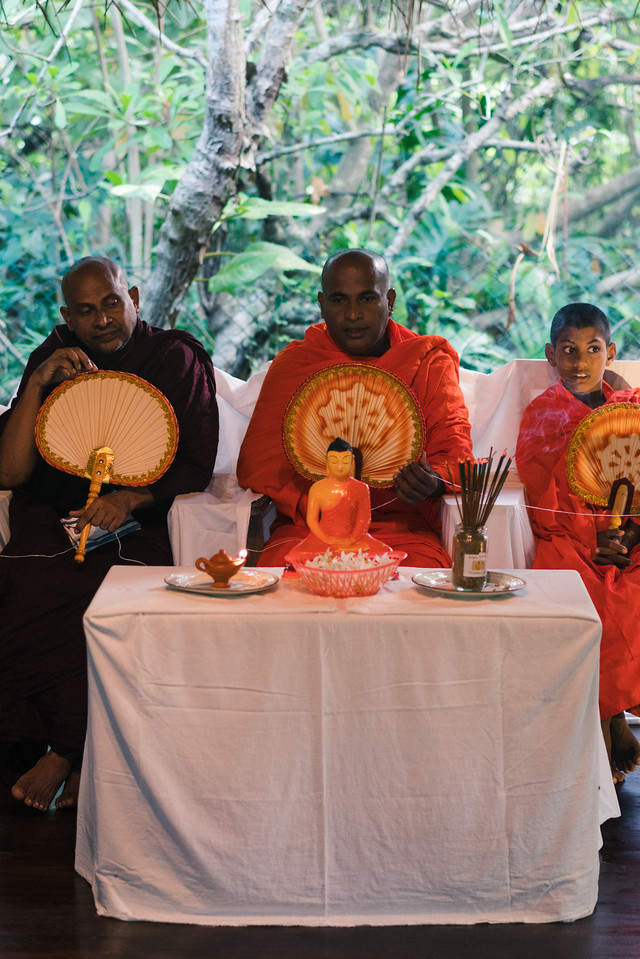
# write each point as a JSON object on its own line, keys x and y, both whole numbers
{"x": 621, "y": 495}
{"x": 98, "y": 469}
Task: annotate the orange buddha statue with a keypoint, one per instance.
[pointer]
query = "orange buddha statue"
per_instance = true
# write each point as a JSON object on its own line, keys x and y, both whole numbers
{"x": 338, "y": 510}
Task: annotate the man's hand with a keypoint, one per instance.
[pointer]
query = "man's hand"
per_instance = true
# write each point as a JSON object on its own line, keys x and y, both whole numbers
{"x": 62, "y": 365}
{"x": 614, "y": 546}
{"x": 18, "y": 454}
{"x": 416, "y": 482}
{"x": 110, "y": 511}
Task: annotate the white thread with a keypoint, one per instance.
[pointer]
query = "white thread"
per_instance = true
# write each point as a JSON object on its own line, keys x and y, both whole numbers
{"x": 72, "y": 549}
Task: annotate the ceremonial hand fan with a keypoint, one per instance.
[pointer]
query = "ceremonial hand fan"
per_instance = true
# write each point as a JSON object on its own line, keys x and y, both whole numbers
{"x": 603, "y": 459}
{"x": 373, "y": 410}
{"x": 109, "y": 427}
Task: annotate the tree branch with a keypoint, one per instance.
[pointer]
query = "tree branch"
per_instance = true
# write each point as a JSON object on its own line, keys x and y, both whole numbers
{"x": 136, "y": 16}
{"x": 45, "y": 66}
{"x": 264, "y": 85}
{"x": 228, "y": 141}
{"x": 598, "y": 83}
{"x": 604, "y": 194}
{"x": 505, "y": 111}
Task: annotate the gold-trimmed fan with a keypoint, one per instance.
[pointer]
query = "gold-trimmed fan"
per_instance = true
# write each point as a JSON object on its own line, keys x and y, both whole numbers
{"x": 109, "y": 427}
{"x": 603, "y": 459}
{"x": 370, "y": 408}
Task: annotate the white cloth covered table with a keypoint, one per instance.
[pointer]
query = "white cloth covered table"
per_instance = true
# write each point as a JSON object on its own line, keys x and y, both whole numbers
{"x": 286, "y": 758}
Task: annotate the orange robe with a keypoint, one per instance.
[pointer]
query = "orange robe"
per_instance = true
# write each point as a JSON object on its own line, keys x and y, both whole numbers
{"x": 349, "y": 517}
{"x": 565, "y": 528}
{"x": 429, "y": 366}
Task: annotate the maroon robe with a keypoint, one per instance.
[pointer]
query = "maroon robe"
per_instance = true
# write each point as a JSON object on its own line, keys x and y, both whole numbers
{"x": 43, "y": 596}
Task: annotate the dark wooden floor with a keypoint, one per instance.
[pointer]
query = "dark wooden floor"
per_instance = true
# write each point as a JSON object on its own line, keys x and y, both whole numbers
{"x": 46, "y": 910}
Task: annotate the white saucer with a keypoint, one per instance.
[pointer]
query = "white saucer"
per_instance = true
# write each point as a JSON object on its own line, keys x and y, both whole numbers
{"x": 245, "y": 582}
{"x": 439, "y": 581}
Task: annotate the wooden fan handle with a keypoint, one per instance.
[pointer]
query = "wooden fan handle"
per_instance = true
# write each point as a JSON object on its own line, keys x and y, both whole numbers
{"x": 99, "y": 464}
{"x": 619, "y": 507}
{"x": 81, "y": 548}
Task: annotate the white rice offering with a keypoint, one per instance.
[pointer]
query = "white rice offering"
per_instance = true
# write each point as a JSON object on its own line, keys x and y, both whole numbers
{"x": 347, "y": 561}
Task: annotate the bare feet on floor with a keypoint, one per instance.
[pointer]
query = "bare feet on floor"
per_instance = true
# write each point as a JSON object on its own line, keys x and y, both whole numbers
{"x": 68, "y": 798}
{"x": 616, "y": 774}
{"x": 39, "y": 785}
{"x": 625, "y": 748}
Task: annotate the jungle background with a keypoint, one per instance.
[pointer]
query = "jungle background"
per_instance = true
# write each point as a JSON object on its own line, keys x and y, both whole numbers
{"x": 221, "y": 149}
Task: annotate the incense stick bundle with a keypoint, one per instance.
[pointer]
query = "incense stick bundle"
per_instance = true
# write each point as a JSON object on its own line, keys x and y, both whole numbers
{"x": 479, "y": 488}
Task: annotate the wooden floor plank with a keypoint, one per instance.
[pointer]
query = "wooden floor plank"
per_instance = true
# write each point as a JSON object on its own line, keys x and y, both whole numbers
{"x": 46, "y": 910}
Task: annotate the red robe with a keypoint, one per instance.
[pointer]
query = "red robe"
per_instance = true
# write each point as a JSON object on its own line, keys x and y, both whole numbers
{"x": 566, "y": 537}
{"x": 429, "y": 366}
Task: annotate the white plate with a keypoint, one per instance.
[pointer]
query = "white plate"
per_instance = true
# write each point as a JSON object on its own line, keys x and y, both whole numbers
{"x": 439, "y": 581}
{"x": 246, "y": 581}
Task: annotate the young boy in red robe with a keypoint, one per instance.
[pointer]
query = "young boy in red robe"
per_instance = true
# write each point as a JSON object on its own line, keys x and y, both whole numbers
{"x": 572, "y": 534}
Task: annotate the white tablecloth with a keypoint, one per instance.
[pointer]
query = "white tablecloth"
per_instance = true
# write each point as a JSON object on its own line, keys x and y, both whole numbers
{"x": 284, "y": 758}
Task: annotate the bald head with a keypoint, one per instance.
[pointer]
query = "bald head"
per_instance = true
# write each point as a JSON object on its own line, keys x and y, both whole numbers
{"x": 356, "y": 301}
{"x": 99, "y": 263}
{"x": 100, "y": 310}
{"x": 362, "y": 259}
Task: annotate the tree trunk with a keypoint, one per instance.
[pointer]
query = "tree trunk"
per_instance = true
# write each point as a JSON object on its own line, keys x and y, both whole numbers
{"x": 234, "y": 122}
{"x": 209, "y": 179}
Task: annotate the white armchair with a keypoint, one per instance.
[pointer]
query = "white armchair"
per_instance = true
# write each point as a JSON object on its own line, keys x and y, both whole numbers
{"x": 224, "y": 516}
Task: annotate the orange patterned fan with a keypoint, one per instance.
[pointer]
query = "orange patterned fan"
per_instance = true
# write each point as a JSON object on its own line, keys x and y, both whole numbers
{"x": 370, "y": 408}
{"x": 604, "y": 449}
{"x": 109, "y": 427}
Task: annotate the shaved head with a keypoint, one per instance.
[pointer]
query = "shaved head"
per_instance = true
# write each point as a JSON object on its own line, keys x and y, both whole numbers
{"x": 356, "y": 301}
{"x": 357, "y": 258}
{"x": 92, "y": 263}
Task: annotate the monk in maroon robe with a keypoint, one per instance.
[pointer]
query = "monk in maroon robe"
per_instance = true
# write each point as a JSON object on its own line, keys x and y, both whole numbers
{"x": 356, "y": 303}
{"x": 43, "y": 592}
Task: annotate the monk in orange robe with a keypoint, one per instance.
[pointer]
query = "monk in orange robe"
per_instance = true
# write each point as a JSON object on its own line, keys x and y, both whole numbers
{"x": 356, "y": 303}
{"x": 572, "y": 534}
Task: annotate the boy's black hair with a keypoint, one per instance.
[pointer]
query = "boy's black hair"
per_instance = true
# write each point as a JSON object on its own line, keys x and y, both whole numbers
{"x": 579, "y": 315}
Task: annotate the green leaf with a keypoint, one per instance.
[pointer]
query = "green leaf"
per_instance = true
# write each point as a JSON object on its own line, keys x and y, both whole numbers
{"x": 246, "y": 267}
{"x": 140, "y": 191}
{"x": 503, "y": 26}
{"x": 255, "y": 208}
{"x": 59, "y": 115}
{"x": 287, "y": 260}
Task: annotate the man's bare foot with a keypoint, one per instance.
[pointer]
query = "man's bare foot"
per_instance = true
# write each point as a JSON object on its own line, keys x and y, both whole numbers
{"x": 68, "y": 798}
{"x": 625, "y": 748}
{"x": 616, "y": 774}
{"x": 39, "y": 785}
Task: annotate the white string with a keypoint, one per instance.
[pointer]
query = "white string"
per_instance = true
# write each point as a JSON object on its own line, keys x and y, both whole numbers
{"x": 138, "y": 562}
{"x": 72, "y": 549}
{"x": 566, "y": 512}
{"x": 39, "y": 555}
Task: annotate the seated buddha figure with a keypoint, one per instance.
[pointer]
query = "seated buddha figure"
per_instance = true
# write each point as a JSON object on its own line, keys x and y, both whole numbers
{"x": 338, "y": 510}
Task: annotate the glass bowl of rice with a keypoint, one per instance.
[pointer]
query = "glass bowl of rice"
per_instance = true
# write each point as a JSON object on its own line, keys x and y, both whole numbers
{"x": 349, "y": 574}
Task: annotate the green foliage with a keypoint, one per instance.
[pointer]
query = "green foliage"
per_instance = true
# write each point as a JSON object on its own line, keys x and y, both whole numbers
{"x": 253, "y": 262}
{"x": 97, "y": 131}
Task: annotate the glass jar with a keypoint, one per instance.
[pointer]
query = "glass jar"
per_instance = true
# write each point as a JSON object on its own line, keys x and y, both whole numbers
{"x": 469, "y": 557}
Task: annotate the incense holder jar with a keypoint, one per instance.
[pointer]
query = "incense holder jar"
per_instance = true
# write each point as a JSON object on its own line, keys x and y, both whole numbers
{"x": 469, "y": 570}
